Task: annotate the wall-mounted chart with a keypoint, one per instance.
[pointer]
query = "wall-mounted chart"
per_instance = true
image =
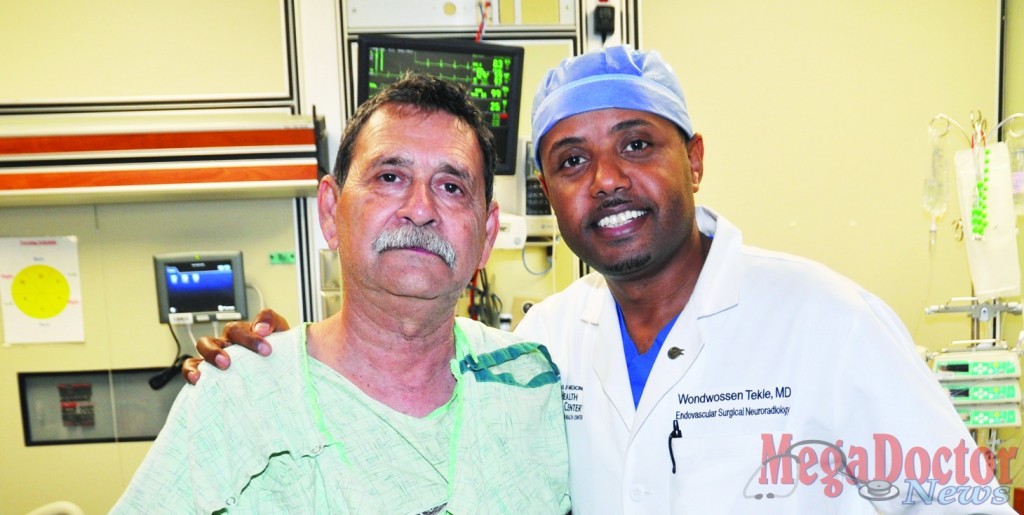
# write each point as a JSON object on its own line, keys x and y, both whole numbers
{"x": 40, "y": 292}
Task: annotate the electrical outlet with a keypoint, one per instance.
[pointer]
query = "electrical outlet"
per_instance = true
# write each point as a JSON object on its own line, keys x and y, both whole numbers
{"x": 520, "y": 305}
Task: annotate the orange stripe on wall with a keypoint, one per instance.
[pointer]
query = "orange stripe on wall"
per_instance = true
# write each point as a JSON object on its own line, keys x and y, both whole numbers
{"x": 101, "y": 142}
{"x": 32, "y": 181}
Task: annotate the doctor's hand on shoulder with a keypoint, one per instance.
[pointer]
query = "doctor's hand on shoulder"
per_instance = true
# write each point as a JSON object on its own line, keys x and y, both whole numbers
{"x": 247, "y": 334}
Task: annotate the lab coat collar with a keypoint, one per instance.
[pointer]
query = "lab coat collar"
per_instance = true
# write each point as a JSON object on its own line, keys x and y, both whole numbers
{"x": 718, "y": 287}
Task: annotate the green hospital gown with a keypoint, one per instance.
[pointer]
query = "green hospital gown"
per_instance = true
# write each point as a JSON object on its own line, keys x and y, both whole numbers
{"x": 287, "y": 434}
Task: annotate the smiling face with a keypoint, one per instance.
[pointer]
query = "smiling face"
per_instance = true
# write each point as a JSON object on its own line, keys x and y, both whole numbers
{"x": 621, "y": 183}
{"x": 415, "y": 187}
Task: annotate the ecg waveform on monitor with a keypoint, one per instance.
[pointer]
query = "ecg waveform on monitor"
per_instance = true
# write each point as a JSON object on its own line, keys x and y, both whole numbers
{"x": 389, "y": 77}
{"x": 486, "y": 78}
{"x": 478, "y": 76}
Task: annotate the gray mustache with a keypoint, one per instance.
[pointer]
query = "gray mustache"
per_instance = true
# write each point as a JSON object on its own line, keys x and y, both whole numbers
{"x": 411, "y": 236}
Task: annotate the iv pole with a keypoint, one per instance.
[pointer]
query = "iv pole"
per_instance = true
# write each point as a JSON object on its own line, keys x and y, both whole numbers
{"x": 990, "y": 311}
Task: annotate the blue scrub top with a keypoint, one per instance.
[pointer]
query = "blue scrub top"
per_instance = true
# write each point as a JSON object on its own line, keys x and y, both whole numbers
{"x": 639, "y": 365}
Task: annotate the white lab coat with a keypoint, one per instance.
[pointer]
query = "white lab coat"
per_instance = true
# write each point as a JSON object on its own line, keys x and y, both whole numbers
{"x": 787, "y": 347}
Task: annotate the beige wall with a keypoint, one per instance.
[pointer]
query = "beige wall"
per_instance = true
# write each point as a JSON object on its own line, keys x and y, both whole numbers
{"x": 815, "y": 120}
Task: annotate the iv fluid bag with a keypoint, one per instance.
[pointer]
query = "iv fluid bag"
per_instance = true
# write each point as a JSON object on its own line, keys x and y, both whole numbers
{"x": 936, "y": 184}
{"x": 989, "y": 220}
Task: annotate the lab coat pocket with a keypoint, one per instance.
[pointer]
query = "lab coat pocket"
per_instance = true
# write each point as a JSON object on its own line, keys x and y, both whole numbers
{"x": 720, "y": 474}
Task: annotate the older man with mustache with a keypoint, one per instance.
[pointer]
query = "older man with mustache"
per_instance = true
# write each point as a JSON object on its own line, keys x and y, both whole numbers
{"x": 392, "y": 405}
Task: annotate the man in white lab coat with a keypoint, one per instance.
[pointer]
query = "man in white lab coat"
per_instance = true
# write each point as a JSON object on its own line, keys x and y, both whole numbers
{"x": 701, "y": 375}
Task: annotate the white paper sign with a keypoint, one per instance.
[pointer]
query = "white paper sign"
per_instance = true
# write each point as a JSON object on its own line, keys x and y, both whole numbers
{"x": 40, "y": 291}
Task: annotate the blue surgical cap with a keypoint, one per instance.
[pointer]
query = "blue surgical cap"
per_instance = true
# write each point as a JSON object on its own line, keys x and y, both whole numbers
{"x": 614, "y": 77}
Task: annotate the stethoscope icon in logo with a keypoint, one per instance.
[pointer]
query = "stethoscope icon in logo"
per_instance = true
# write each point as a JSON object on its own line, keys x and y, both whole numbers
{"x": 874, "y": 490}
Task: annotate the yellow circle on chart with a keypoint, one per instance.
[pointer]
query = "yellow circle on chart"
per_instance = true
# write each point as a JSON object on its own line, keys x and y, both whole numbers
{"x": 40, "y": 291}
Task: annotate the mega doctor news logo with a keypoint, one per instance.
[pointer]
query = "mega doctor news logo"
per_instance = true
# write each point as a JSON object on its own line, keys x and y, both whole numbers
{"x": 882, "y": 471}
